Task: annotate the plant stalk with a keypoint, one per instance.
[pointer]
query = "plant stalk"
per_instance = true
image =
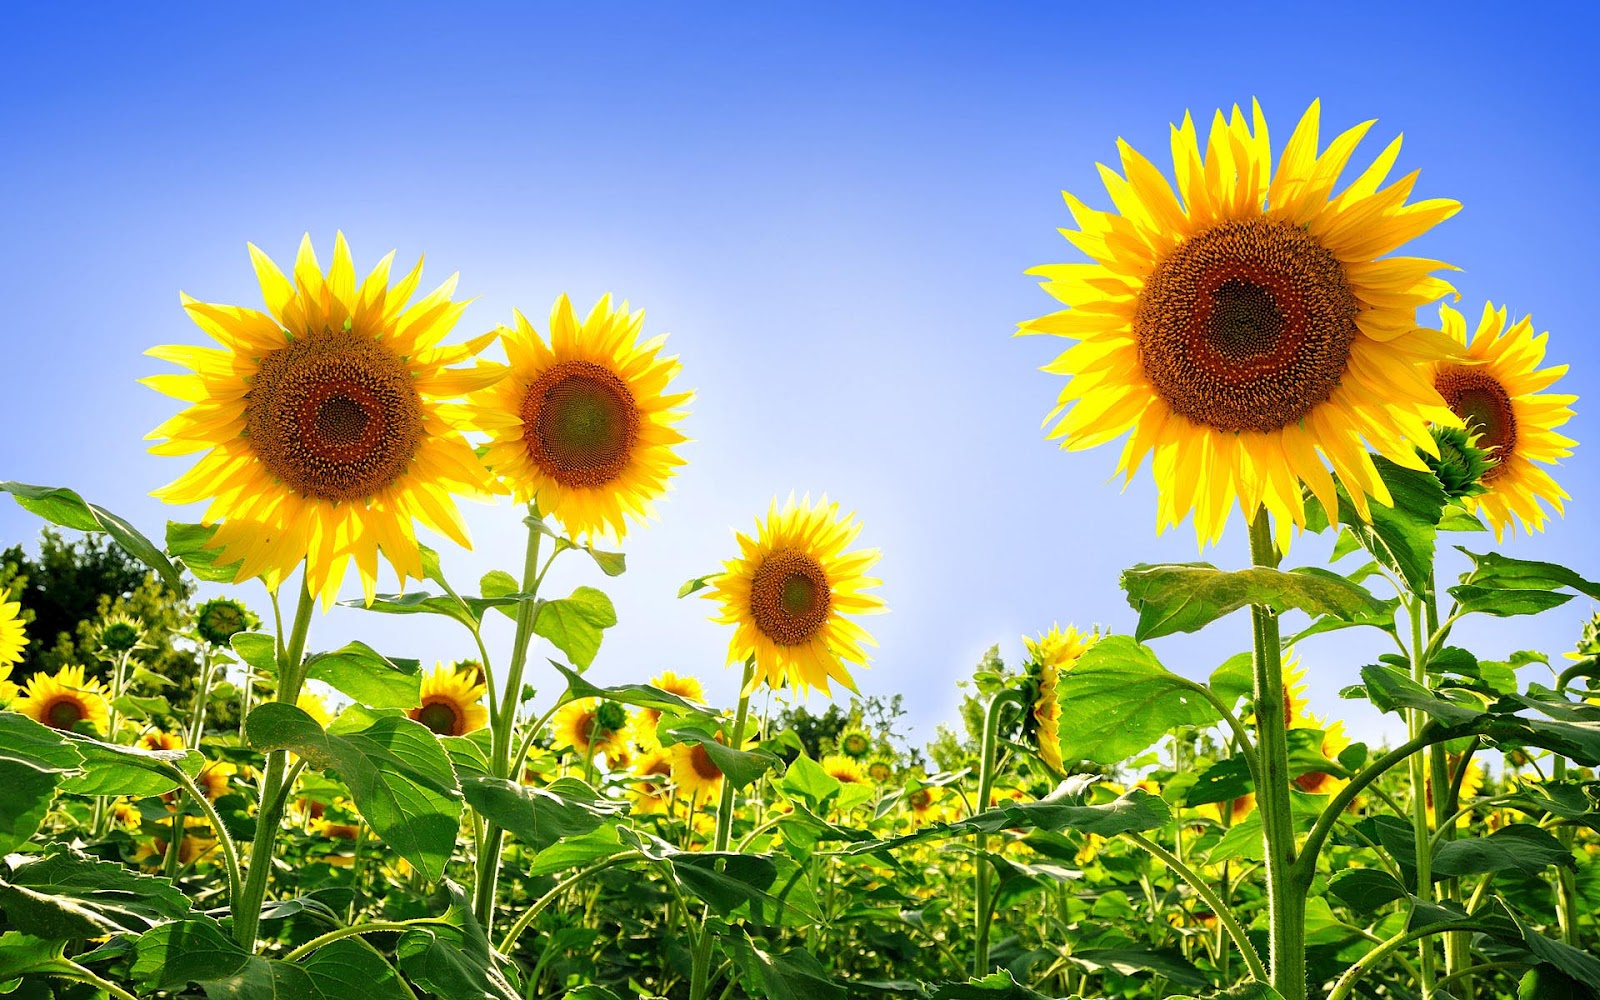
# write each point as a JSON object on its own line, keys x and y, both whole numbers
{"x": 700, "y": 978}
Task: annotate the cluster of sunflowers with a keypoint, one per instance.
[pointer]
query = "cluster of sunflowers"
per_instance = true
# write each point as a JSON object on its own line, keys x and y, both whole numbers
{"x": 1103, "y": 826}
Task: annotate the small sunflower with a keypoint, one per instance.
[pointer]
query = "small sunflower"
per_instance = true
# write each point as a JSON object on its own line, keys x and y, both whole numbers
{"x": 592, "y": 728}
{"x": 694, "y": 773}
{"x": 1496, "y": 388}
{"x": 159, "y": 739}
{"x": 1248, "y": 322}
{"x": 846, "y": 770}
{"x": 924, "y": 803}
{"x": 13, "y": 637}
{"x": 1048, "y": 656}
{"x": 316, "y": 706}
{"x": 216, "y": 779}
{"x": 322, "y": 424}
{"x": 1334, "y": 741}
{"x": 1471, "y": 784}
{"x": 126, "y": 815}
{"x": 855, "y": 744}
{"x": 880, "y": 770}
{"x": 450, "y": 702}
{"x": 65, "y": 700}
{"x": 221, "y": 618}
{"x": 584, "y": 425}
{"x": 688, "y": 688}
{"x": 120, "y": 633}
{"x": 652, "y": 785}
{"x": 788, "y": 594}
{"x": 196, "y": 846}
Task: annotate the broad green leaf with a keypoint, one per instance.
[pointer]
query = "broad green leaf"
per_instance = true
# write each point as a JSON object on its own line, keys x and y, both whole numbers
{"x": 1391, "y": 690}
{"x": 1185, "y": 597}
{"x": 188, "y": 951}
{"x": 738, "y": 766}
{"x": 33, "y": 760}
{"x": 1243, "y": 840}
{"x": 540, "y": 817}
{"x": 790, "y": 975}
{"x": 21, "y": 954}
{"x": 1366, "y": 890}
{"x": 187, "y": 543}
{"x": 1401, "y": 536}
{"x": 1471, "y": 599}
{"x": 638, "y": 695}
{"x": 1118, "y": 699}
{"x": 398, "y": 774}
{"x": 112, "y": 769}
{"x": 64, "y": 507}
{"x": 197, "y": 951}
{"x": 1456, "y": 518}
{"x": 456, "y": 960}
{"x": 423, "y": 603}
{"x": 369, "y": 677}
{"x": 1129, "y": 961}
{"x": 1234, "y": 679}
{"x": 1223, "y": 781}
{"x": 574, "y": 851}
{"x": 1493, "y": 570}
{"x": 258, "y": 649}
{"x": 573, "y": 624}
{"x": 806, "y": 779}
{"x": 1521, "y": 847}
{"x": 68, "y": 895}
{"x": 697, "y": 584}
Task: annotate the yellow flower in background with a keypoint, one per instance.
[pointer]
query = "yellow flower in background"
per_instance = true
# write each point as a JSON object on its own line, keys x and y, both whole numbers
{"x": 216, "y": 779}
{"x": 695, "y": 774}
{"x": 64, "y": 700}
{"x": 1471, "y": 784}
{"x": 1496, "y": 390}
{"x": 652, "y": 784}
{"x": 592, "y": 728}
{"x": 855, "y": 743}
{"x": 924, "y": 803}
{"x": 880, "y": 771}
{"x": 584, "y": 425}
{"x": 159, "y": 739}
{"x": 1049, "y": 655}
{"x": 322, "y": 422}
{"x": 1249, "y": 321}
{"x": 845, "y": 769}
{"x": 646, "y": 720}
{"x": 315, "y": 706}
{"x": 13, "y": 637}
{"x": 1334, "y": 742}
{"x": 126, "y": 815}
{"x": 788, "y": 594}
{"x": 194, "y": 847}
{"x": 451, "y": 701}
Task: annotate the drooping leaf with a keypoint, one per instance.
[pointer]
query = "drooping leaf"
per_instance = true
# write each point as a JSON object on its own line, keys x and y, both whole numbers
{"x": 187, "y": 543}
{"x": 570, "y": 852}
{"x": 113, "y": 769}
{"x": 369, "y": 677}
{"x": 64, "y": 507}
{"x": 1402, "y": 536}
{"x": 1519, "y": 847}
{"x": 1129, "y": 961}
{"x": 454, "y": 960}
{"x": 573, "y": 624}
{"x": 540, "y": 816}
{"x": 1118, "y": 699}
{"x": 67, "y": 895}
{"x": 741, "y": 767}
{"x": 196, "y": 950}
{"x": 398, "y": 774}
{"x": 1185, "y": 597}
{"x": 21, "y": 954}
{"x": 790, "y": 975}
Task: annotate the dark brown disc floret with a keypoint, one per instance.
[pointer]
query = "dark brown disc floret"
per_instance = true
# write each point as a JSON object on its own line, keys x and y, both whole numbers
{"x": 334, "y": 417}
{"x": 790, "y": 599}
{"x": 580, "y": 423}
{"x": 1246, "y": 326}
{"x": 1483, "y": 404}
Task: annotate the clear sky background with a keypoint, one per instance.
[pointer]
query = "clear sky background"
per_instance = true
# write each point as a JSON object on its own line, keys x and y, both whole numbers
{"x": 829, "y": 207}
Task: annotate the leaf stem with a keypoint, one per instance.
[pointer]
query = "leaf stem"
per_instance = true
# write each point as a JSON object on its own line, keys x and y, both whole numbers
{"x": 1224, "y": 912}
{"x": 982, "y": 903}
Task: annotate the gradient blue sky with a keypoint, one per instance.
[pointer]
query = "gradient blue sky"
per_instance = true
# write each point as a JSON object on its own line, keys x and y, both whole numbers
{"x": 830, "y": 208}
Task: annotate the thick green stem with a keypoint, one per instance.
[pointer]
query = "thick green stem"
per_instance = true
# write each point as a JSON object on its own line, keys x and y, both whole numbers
{"x": 202, "y": 694}
{"x": 1416, "y": 719}
{"x": 489, "y": 848}
{"x": 700, "y": 976}
{"x": 983, "y": 903}
{"x": 1566, "y": 886}
{"x": 1286, "y": 894}
{"x": 246, "y": 904}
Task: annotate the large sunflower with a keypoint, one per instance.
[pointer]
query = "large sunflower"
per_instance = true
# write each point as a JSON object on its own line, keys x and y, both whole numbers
{"x": 584, "y": 425}
{"x": 1496, "y": 390}
{"x": 788, "y": 594}
{"x": 451, "y": 701}
{"x": 65, "y": 700}
{"x": 321, "y": 422}
{"x": 1249, "y": 321}
{"x": 1049, "y": 655}
{"x": 13, "y": 637}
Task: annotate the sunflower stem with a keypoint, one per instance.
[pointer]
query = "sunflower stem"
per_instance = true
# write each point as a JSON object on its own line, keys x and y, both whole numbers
{"x": 1286, "y": 894}
{"x": 488, "y": 870}
{"x": 246, "y": 905}
{"x": 1420, "y": 807}
{"x": 982, "y": 901}
{"x": 699, "y": 982}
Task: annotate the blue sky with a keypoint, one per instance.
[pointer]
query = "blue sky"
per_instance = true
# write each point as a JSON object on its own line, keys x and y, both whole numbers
{"x": 830, "y": 209}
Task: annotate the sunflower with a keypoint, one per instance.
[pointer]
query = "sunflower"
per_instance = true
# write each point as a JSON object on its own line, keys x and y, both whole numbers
{"x": 216, "y": 779}
{"x": 196, "y": 846}
{"x": 688, "y": 688}
{"x": 316, "y": 706}
{"x": 694, "y": 773}
{"x": 119, "y": 633}
{"x": 159, "y": 739}
{"x": 125, "y": 815}
{"x": 584, "y": 425}
{"x": 1471, "y": 784}
{"x": 221, "y": 618}
{"x": 880, "y": 770}
{"x": 1495, "y": 388}
{"x": 788, "y": 594}
{"x": 844, "y": 769}
{"x": 652, "y": 784}
{"x": 1049, "y": 655}
{"x": 855, "y": 744}
{"x": 450, "y": 701}
{"x": 321, "y": 421}
{"x": 592, "y": 728}
{"x": 13, "y": 637}
{"x": 1246, "y": 322}
{"x": 65, "y": 700}
{"x": 1334, "y": 742}
{"x": 924, "y": 803}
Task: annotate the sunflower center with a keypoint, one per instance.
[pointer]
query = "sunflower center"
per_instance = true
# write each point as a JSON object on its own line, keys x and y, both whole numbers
{"x": 789, "y": 597}
{"x": 1246, "y": 326}
{"x": 580, "y": 424}
{"x": 335, "y": 417}
{"x": 441, "y": 717}
{"x": 702, "y": 763}
{"x": 1484, "y": 406}
{"x": 64, "y": 713}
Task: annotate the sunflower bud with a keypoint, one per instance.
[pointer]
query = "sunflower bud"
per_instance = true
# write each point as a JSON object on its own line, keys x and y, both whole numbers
{"x": 1461, "y": 464}
{"x": 222, "y": 618}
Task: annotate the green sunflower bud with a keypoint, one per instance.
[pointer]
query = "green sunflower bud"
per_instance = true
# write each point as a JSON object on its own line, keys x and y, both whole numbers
{"x": 1461, "y": 464}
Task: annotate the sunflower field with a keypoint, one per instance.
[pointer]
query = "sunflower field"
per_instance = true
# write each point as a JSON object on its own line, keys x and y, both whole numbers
{"x": 307, "y": 816}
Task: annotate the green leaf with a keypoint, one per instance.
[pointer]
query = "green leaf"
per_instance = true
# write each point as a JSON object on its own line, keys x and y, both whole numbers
{"x": 1401, "y": 536}
{"x": 368, "y": 677}
{"x": 1235, "y": 679}
{"x": 1118, "y": 699}
{"x": 574, "y": 851}
{"x": 791, "y": 975}
{"x": 454, "y": 960}
{"x": 1521, "y": 847}
{"x": 1456, "y": 518}
{"x": 1243, "y": 840}
{"x": 423, "y": 603}
{"x": 1493, "y": 570}
{"x": 66, "y": 508}
{"x": 806, "y": 779}
{"x": 610, "y": 563}
{"x": 540, "y": 817}
{"x": 197, "y": 951}
{"x": 1366, "y": 890}
{"x": 67, "y": 894}
{"x": 111, "y": 769}
{"x": 22, "y": 953}
{"x": 1391, "y": 690}
{"x": 1170, "y": 965}
{"x": 741, "y": 767}
{"x": 398, "y": 774}
{"x": 1251, "y": 990}
{"x": 33, "y": 760}
{"x": 1505, "y": 603}
{"x": 187, "y": 543}
{"x": 699, "y": 583}
{"x": 573, "y": 624}
{"x": 1185, "y": 597}
{"x": 257, "y": 649}
{"x": 1223, "y": 781}
{"x": 638, "y": 695}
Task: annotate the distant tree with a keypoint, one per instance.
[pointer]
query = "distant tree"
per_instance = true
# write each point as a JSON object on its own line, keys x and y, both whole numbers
{"x": 881, "y": 717}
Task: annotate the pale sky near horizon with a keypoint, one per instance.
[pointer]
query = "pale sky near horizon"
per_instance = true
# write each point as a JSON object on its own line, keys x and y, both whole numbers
{"x": 830, "y": 209}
